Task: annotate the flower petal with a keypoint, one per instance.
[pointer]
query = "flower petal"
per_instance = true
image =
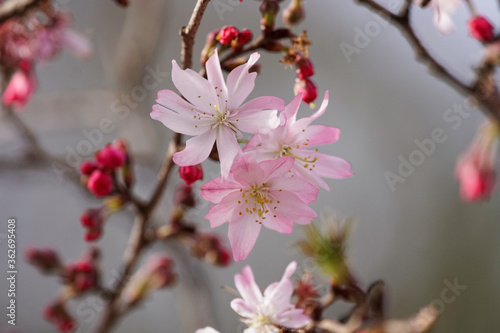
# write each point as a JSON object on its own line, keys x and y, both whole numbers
{"x": 279, "y": 294}
{"x": 315, "y": 135}
{"x": 215, "y": 77}
{"x": 224, "y": 211}
{"x": 247, "y": 171}
{"x": 197, "y": 149}
{"x": 242, "y": 308}
{"x": 240, "y": 82}
{"x": 194, "y": 88}
{"x": 290, "y": 207}
{"x": 228, "y": 148}
{"x": 277, "y": 167}
{"x": 301, "y": 187}
{"x": 302, "y": 123}
{"x": 261, "y": 103}
{"x": 331, "y": 166}
{"x": 177, "y": 122}
{"x": 248, "y": 289}
{"x": 294, "y": 318}
{"x": 290, "y": 114}
{"x": 242, "y": 235}
{"x": 216, "y": 189}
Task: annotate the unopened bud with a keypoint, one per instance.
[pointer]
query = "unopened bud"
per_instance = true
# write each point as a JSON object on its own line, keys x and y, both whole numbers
{"x": 110, "y": 157}
{"x": 100, "y": 183}
{"x": 481, "y": 29}
{"x": 227, "y": 34}
{"x": 269, "y": 9}
{"x": 294, "y": 13}
{"x": 304, "y": 67}
{"x": 191, "y": 174}
{"x": 46, "y": 260}
{"x": 307, "y": 88}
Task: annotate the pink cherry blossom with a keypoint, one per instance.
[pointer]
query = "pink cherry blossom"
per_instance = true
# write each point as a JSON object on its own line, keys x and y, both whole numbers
{"x": 296, "y": 138}
{"x": 256, "y": 194}
{"x": 21, "y": 87}
{"x": 263, "y": 312}
{"x": 214, "y": 112}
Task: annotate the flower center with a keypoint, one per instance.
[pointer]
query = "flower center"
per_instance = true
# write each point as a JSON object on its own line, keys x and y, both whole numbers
{"x": 256, "y": 200}
{"x": 222, "y": 118}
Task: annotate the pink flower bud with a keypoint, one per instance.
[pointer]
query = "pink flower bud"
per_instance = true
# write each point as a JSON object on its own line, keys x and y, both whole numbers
{"x": 82, "y": 275}
{"x": 87, "y": 167}
{"x": 307, "y": 88}
{"x": 227, "y": 34}
{"x": 481, "y": 29}
{"x": 191, "y": 173}
{"x": 46, "y": 260}
{"x": 110, "y": 157}
{"x": 245, "y": 36}
{"x": 159, "y": 269}
{"x": 100, "y": 183}
{"x": 19, "y": 90}
{"x": 476, "y": 168}
{"x": 304, "y": 67}
{"x": 294, "y": 13}
{"x": 60, "y": 317}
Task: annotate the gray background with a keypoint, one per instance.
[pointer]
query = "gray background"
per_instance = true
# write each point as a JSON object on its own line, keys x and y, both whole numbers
{"x": 414, "y": 238}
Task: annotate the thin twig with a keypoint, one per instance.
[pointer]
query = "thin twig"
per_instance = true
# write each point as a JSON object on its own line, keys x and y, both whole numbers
{"x": 490, "y": 100}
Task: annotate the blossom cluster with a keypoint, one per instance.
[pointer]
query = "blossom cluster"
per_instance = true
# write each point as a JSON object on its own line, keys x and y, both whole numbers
{"x": 31, "y": 39}
{"x": 272, "y": 180}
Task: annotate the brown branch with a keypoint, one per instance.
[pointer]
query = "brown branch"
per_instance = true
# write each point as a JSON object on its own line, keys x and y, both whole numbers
{"x": 489, "y": 99}
{"x": 14, "y": 8}
{"x": 137, "y": 240}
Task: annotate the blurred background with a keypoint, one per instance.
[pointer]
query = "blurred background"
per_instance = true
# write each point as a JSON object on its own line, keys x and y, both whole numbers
{"x": 414, "y": 236}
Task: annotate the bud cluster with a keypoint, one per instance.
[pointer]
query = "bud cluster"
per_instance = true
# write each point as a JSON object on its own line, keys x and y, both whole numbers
{"x": 78, "y": 278}
{"x": 223, "y": 39}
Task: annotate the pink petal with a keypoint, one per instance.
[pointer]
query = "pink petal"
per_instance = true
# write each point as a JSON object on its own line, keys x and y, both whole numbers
{"x": 294, "y": 318}
{"x": 278, "y": 224}
{"x": 302, "y": 188}
{"x": 215, "y": 77}
{"x": 216, "y": 189}
{"x": 443, "y": 23}
{"x": 194, "y": 88}
{"x": 177, "y": 122}
{"x": 304, "y": 122}
{"x": 310, "y": 176}
{"x": 276, "y": 168}
{"x": 291, "y": 208}
{"x": 315, "y": 135}
{"x": 279, "y": 294}
{"x": 248, "y": 289}
{"x": 261, "y": 103}
{"x": 290, "y": 113}
{"x": 224, "y": 211}
{"x": 197, "y": 149}
{"x": 247, "y": 171}
{"x": 240, "y": 82}
{"x": 228, "y": 148}
{"x": 331, "y": 166}
{"x": 258, "y": 122}
{"x": 242, "y": 235}
{"x": 241, "y": 307}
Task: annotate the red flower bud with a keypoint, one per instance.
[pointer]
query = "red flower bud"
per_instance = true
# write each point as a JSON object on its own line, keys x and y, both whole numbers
{"x": 245, "y": 36}
{"x": 46, "y": 260}
{"x": 92, "y": 218}
{"x": 191, "y": 173}
{"x": 110, "y": 157}
{"x": 82, "y": 275}
{"x": 307, "y": 88}
{"x": 100, "y": 183}
{"x": 304, "y": 67}
{"x": 227, "y": 34}
{"x": 60, "y": 317}
{"x": 481, "y": 29}
{"x": 87, "y": 167}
